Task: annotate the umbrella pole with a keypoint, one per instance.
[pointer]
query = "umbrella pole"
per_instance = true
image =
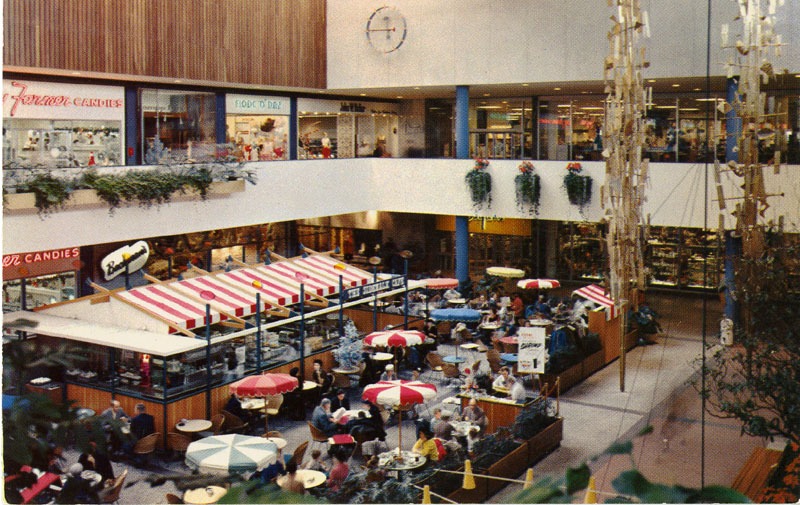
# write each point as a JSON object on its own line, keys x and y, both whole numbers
{"x": 399, "y": 430}
{"x": 266, "y": 418}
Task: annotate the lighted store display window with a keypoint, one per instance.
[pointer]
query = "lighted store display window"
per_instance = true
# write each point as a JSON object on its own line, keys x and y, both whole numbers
{"x": 177, "y": 126}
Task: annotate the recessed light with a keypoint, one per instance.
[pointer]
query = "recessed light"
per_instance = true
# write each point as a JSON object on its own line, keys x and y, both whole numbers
{"x": 487, "y": 94}
{"x": 416, "y": 87}
{"x": 399, "y": 96}
{"x": 75, "y": 73}
{"x": 525, "y": 84}
{"x": 696, "y": 89}
{"x": 177, "y": 81}
{"x": 556, "y": 89}
{"x": 676, "y": 85}
{"x": 651, "y": 80}
{"x": 362, "y": 94}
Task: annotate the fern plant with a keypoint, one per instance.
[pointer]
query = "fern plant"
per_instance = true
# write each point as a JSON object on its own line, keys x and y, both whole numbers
{"x": 528, "y": 188}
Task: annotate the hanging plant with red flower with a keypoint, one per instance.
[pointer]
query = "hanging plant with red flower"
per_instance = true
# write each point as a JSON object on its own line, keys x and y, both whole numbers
{"x": 579, "y": 187}
{"x": 528, "y": 187}
{"x": 479, "y": 182}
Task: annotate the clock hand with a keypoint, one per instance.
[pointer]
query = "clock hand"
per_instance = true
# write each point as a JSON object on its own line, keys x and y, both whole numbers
{"x": 393, "y": 29}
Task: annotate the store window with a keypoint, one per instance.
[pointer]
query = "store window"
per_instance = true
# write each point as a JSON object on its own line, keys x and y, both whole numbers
{"x": 500, "y": 129}
{"x": 38, "y": 291}
{"x": 57, "y": 125}
{"x": 177, "y": 126}
{"x": 346, "y": 129}
{"x": 258, "y": 127}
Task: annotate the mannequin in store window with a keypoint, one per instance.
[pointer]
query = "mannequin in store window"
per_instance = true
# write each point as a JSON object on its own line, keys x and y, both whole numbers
{"x": 326, "y": 145}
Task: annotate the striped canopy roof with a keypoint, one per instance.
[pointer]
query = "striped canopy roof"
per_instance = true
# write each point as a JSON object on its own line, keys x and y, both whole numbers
{"x": 597, "y": 294}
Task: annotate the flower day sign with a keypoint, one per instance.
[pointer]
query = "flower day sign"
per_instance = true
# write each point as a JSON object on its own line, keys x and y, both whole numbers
{"x": 531, "y": 354}
{"x": 375, "y": 287}
{"x": 135, "y": 255}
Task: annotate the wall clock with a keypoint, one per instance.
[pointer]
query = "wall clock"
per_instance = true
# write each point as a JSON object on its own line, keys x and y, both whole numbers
{"x": 386, "y": 29}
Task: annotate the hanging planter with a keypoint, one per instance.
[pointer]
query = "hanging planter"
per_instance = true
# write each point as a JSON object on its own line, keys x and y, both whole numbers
{"x": 579, "y": 187}
{"x": 528, "y": 188}
{"x": 480, "y": 184}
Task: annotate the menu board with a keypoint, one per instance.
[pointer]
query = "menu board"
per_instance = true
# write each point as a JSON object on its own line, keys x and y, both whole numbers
{"x": 531, "y": 354}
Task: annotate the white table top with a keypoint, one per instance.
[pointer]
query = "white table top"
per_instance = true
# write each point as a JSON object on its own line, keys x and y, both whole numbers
{"x": 383, "y": 356}
{"x": 193, "y": 426}
{"x": 280, "y": 442}
{"x": 310, "y": 478}
{"x": 309, "y": 385}
{"x": 204, "y": 495}
{"x": 463, "y": 427}
{"x": 410, "y": 460}
{"x": 469, "y": 346}
{"x": 254, "y": 404}
{"x": 457, "y": 301}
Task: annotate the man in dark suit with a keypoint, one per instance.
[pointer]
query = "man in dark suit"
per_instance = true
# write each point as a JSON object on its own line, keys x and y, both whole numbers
{"x": 340, "y": 401}
{"x": 142, "y": 424}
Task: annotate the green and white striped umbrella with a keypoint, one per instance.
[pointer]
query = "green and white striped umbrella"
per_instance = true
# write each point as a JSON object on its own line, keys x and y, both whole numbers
{"x": 231, "y": 454}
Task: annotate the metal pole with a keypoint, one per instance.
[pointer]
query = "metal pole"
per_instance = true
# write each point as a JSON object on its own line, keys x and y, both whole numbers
{"x": 208, "y": 361}
{"x": 302, "y": 333}
{"x": 405, "y": 295}
{"x": 258, "y": 332}
{"x": 341, "y": 307}
{"x": 375, "y": 301}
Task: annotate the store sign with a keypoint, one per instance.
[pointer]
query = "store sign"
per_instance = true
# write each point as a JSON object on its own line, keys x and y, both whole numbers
{"x": 32, "y": 264}
{"x": 371, "y": 289}
{"x": 531, "y": 353}
{"x": 53, "y": 100}
{"x": 257, "y": 104}
{"x": 134, "y": 255}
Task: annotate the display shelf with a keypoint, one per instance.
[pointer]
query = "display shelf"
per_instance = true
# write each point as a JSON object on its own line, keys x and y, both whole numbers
{"x": 582, "y": 251}
{"x": 683, "y": 258}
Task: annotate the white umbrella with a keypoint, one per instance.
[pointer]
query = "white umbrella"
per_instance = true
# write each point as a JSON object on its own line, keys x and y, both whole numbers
{"x": 399, "y": 393}
{"x": 231, "y": 454}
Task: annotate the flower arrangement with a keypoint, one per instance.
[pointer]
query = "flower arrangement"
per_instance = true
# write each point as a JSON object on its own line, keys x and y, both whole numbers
{"x": 479, "y": 182}
{"x": 528, "y": 187}
{"x": 579, "y": 187}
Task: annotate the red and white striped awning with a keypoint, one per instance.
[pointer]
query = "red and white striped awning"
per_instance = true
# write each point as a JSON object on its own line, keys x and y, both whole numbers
{"x": 171, "y": 306}
{"x": 218, "y": 294}
{"x": 598, "y": 295}
{"x": 273, "y": 291}
{"x": 292, "y": 275}
{"x": 324, "y": 264}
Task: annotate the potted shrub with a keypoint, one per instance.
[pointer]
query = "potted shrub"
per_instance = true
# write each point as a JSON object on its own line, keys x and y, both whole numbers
{"x": 480, "y": 184}
{"x": 528, "y": 187}
{"x": 579, "y": 187}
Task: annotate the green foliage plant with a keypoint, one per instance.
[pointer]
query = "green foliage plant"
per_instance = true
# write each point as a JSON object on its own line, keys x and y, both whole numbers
{"x": 578, "y": 187}
{"x": 51, "y": 192}
{"x": 528, "y": 188}
{"x": 479, "y": 182}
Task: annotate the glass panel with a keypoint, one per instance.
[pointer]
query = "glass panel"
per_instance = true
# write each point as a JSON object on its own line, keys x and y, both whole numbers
{"x": 177, "y": 126}
{"x": 39, "y": 291}
{"x": 31, "y": 143}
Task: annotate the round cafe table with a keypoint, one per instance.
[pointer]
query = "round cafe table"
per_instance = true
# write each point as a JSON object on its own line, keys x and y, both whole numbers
{"x": 204, "y": 495}
{"x": 407, "y": 461}
{"x": 383, "y": 356}
{"x": 454, "y": 360}
{"x": 509, "y": 357}
{"x": 254, "y": 404}
{"x": 462, "y": 427}
{"x": 193, "y": 426}
{"x": 280, "y": 442}
{"x": 309, "y": 385}
{"x": 310, "y": 478}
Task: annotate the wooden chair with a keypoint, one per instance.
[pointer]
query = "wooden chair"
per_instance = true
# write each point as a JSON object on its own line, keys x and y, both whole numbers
{"x": 274, "y": 403}
{"x": 111, "y": 493}
{"x": 146, "y": 446}
{"x": 217, "y": 420}
{"x": 317, "y": 435}
{"x": 298, "y": 454}
{"x": 273, "y": 434}
{"x": 493, "y": 357}
{"x": 178, "y": 443}
{"x": 435, "y": 363}
{"x": 233, "y": 423}
{"x": 173, "y": 498}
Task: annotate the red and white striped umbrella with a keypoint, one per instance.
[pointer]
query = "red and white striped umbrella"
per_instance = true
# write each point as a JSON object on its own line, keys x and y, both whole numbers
{"x": 405, "y": 338}
{"x": 538, "y": 284}
{"x": 258, "y": 386}
{"x": 399, "y": 393}
{"x": 441, "y": 283}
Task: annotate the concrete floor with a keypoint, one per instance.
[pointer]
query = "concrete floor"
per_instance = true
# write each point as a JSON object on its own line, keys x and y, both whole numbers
{"x": 596, "y": 414}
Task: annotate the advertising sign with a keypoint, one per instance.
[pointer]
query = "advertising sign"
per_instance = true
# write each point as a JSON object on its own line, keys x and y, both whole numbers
{"x": 258, "y": 105}
{"x": 532, "y": 354}
{"x": 32, "y": 264}
{"x": 57, "y": 100}
{"x": 371, "y": 289}
{"x": 114, "y": 264}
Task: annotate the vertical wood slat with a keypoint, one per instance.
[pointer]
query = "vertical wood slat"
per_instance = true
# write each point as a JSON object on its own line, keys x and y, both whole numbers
{"x": 265, "y": 42}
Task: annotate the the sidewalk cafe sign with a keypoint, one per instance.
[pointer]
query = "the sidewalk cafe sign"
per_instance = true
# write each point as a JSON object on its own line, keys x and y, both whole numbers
{"x": 531, "y": 350}
{"x": 371, "y": 289}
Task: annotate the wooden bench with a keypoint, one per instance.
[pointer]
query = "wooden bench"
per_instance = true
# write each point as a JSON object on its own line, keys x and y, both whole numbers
{"x": 754, "y": 474}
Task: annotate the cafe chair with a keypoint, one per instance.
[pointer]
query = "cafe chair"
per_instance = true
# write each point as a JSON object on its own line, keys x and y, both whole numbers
{"x": 178, "y": 443}
{"x": 233, "y": 423}
{"x": 273, "y": 403}
{"x": 111, "y": 494}
{"x": 173, "y": 498}
{"x": 217, "y": 420}
{"x": 493, "y": 357}
{"x": 317, "y": 435}
{"x": 435, "y": 363}
{"x": 298, "y": 454}
{"x": 145, "y": 447}
{"x": 273, "y": 434}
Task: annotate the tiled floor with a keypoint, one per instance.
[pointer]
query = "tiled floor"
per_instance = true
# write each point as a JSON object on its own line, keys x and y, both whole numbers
{"x": 596, "y": 414}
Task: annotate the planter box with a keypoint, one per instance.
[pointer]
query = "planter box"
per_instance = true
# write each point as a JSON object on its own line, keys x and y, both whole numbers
{"x": 88, "y": 197}
{"x": 512, "y": 464}
{"x": 593, "y": 363}
{"x": 569, "y": 377}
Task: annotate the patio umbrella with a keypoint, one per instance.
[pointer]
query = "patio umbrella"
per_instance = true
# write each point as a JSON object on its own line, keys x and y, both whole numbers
{"x": 465, "y": 315}
{"x": 264, "y": 385}
{"x": 399, "y": 393}
{"x": 510, "y": 273}
{"x": 403, "y": 338}
{"x": 231, "y": 453}
{"x": 441, "y": 283}
{"x": 538, "y": 284}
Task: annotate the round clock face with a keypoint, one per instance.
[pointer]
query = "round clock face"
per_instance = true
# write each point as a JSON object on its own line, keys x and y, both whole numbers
{"x": 386, "y": 29}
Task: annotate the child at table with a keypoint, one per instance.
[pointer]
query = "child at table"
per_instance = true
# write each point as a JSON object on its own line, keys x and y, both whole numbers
{"x": 315, "y": 463}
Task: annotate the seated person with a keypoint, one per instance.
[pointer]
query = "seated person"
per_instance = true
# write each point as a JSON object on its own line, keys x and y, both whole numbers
{"x": 114, "y": 411}
{"x": 443, "y": 429}
{"x": 425, "y": 446}
{"x": 234, "y": 406}
{"x": 388, "y": 373}
{"x": 321, "y": 377}
{"x": 340, "y": 401}
{"x": 474, "y": 414}
{"x": 293, "y": 483}
{"x": 374, "y": 472}
{"x": 142, "y": 424}
{"x": 76, "y": 489}
{"x": 501, "y": 381}
{"x": 376, "y": 419}
{"x": 316, "y": 463}
{"x": 516, "y": 390}
{"x": 542, "y": 308}
{"x": 363, "y": 427}
{"x": 339, "y": 470}
{"x": 92, "y": 459}
{"x": 322, "y": 419}
{"x": 270, "y": 472}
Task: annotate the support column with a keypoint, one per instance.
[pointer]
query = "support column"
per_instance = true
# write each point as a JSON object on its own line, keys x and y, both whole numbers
{"x": 462, "y": 152}
{"x": 293, "y": 128}
{"x": 220, "y": 127}
{"x": 131, "y": 125}
{"x": 733, "y": 123}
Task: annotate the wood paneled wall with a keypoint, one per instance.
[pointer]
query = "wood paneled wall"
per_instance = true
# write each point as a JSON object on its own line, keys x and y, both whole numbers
{"x": 272, "y": 42}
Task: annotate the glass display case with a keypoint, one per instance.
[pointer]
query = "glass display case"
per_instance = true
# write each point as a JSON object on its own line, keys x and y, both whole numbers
{"x": 581, "y": 251}
{"x": 684, "y": 258}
